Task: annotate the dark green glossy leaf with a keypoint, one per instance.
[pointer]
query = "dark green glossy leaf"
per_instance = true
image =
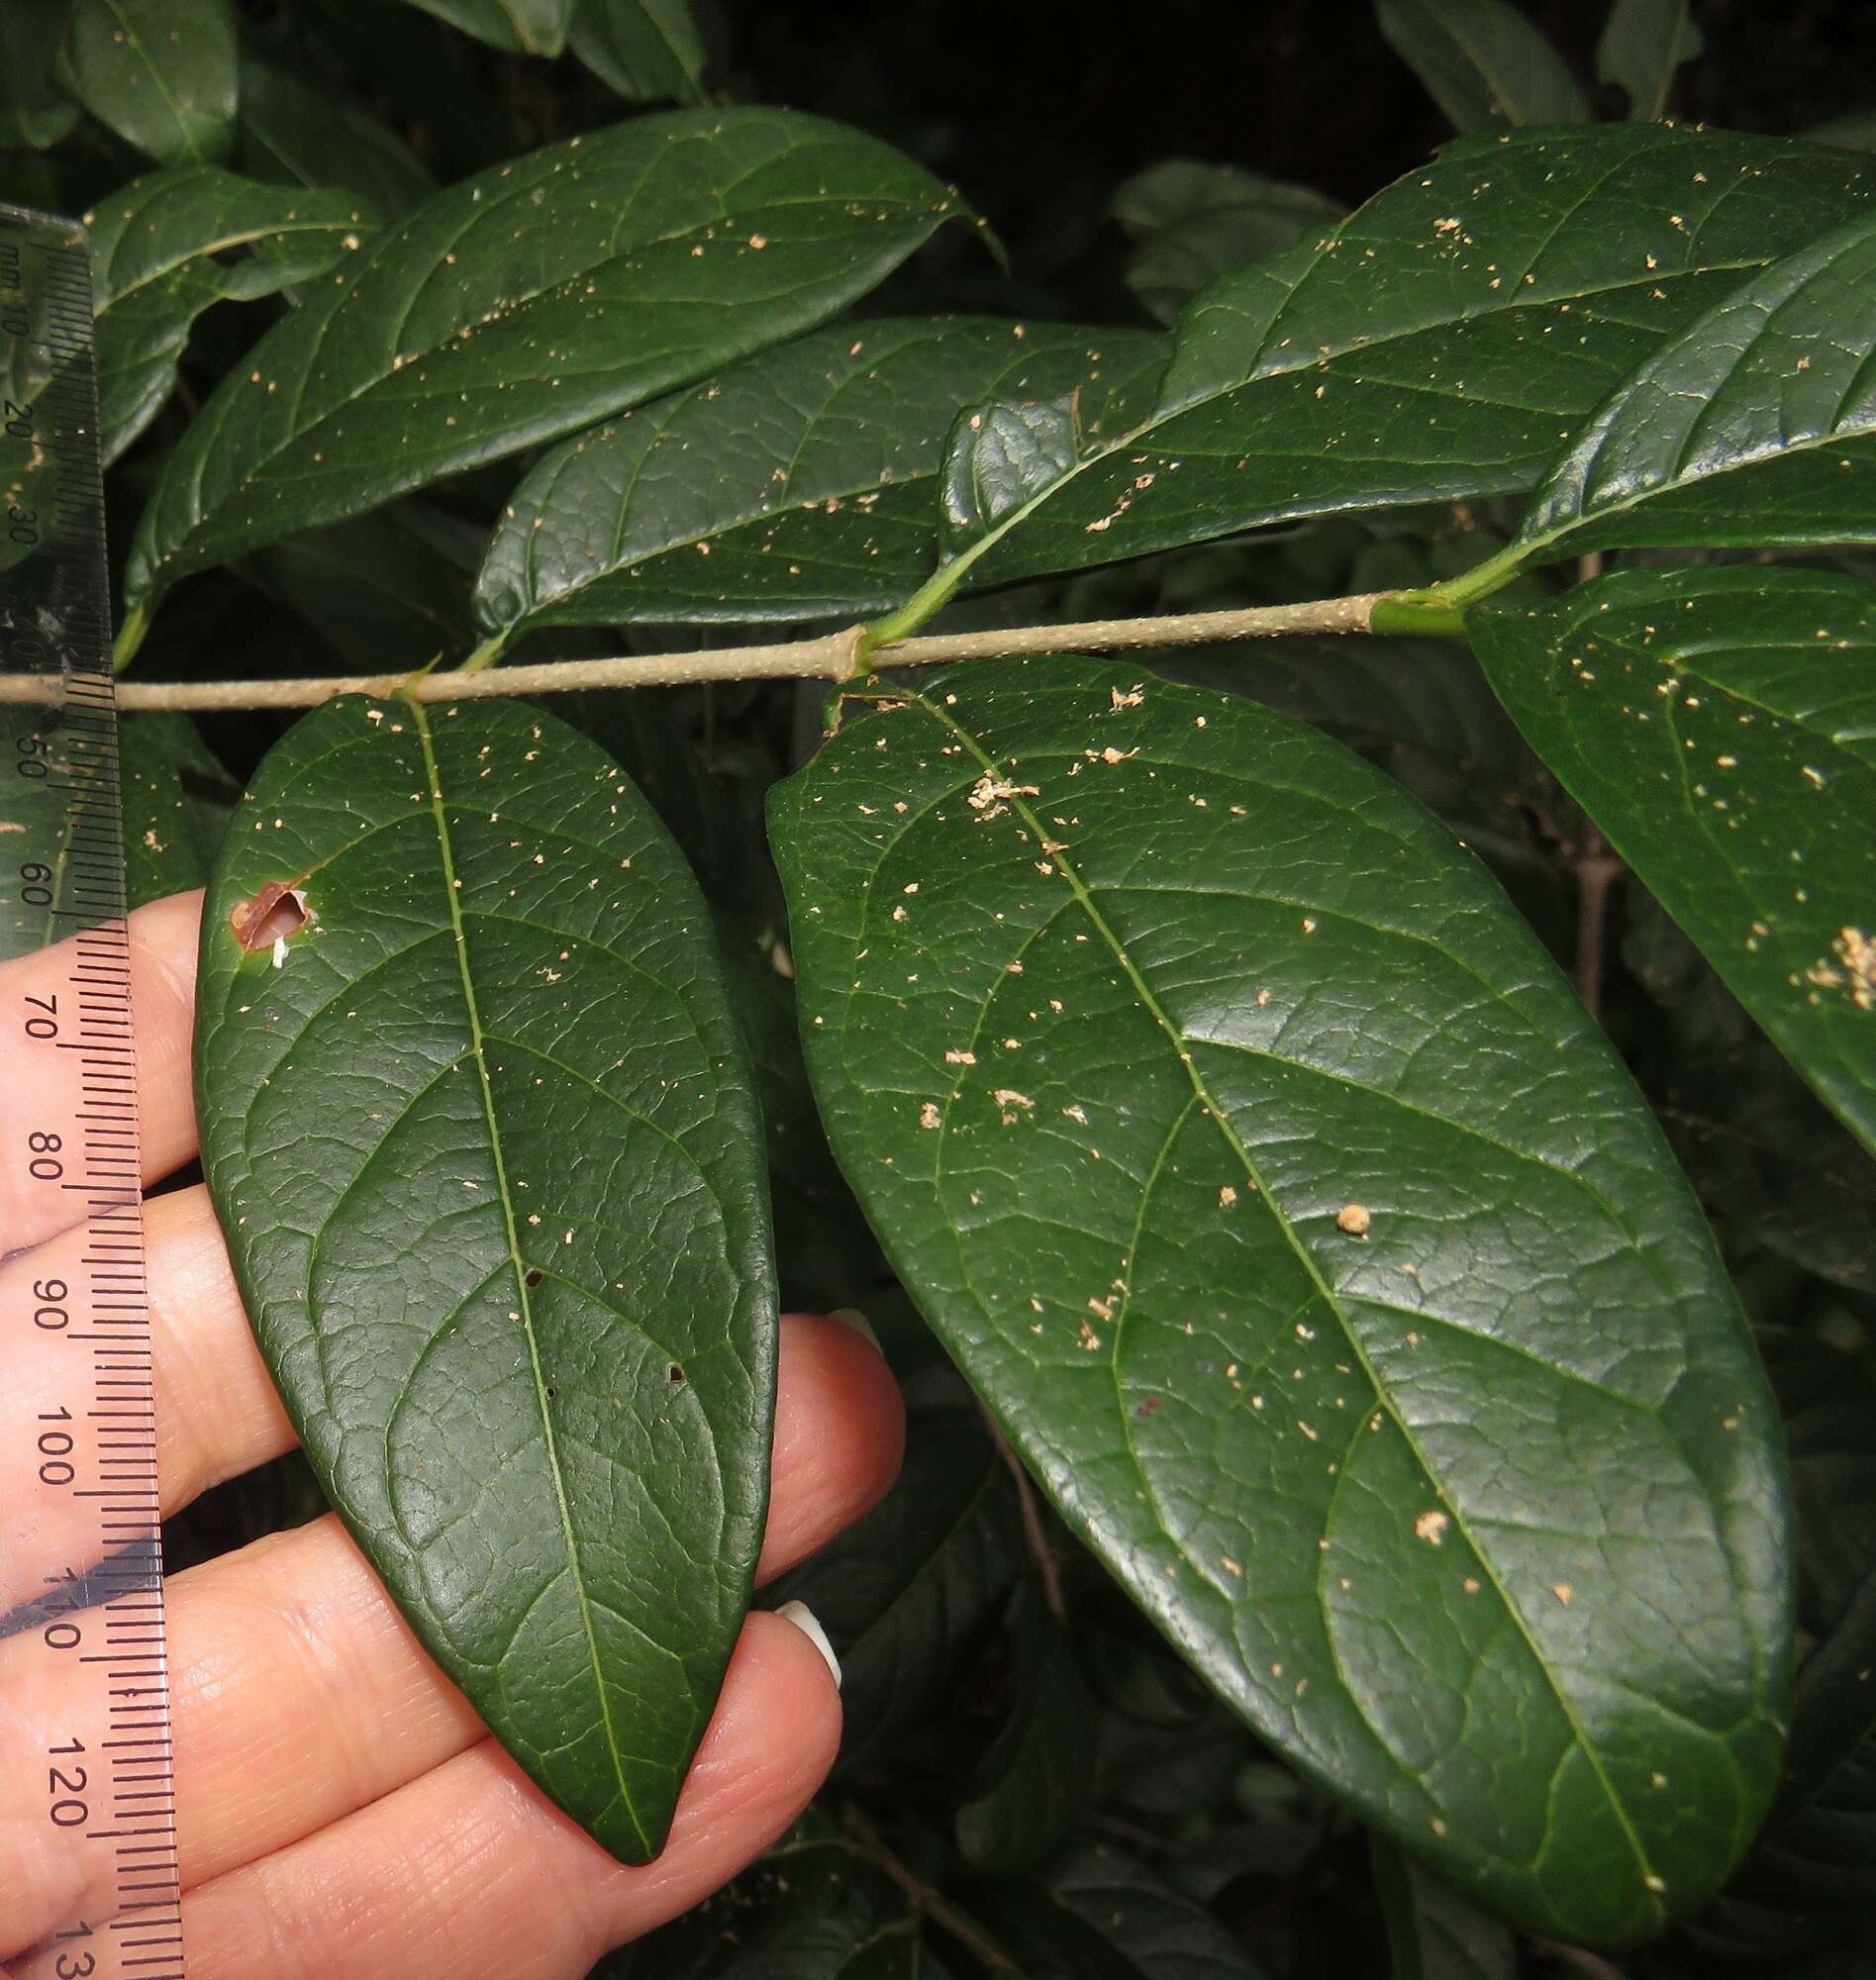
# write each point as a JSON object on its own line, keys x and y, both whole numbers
{"x": 1433, "y": 1934}
{"x": 797, "y": 485}
{"x": 514, "y": 1288}
{"x": 1001, "y": 457}
{"x": 177, "y": 799}
{"x": 526, "y": 302}
{"x": 34, "y": 111}
{"x": 1483, "y": 62}
{"x": 388, "y": 591}
{"x": 1034, "y": 1783}
{"x": 1719, "y": 727}
{"x": 1422, "y": 708}
{"x": 1099, "y": 1910}
{"x": 1754, "y": 428}
{"x": 1190, "y": 222}
{"x": 648, "y": 50}
{"x": 299, "y": 133}
{"x": 1443, "y": 342}
{"x": 1643, "y": 42}
{"x": 159, "y": 72}
{"x": 177, "y": 241}
{"x": 1315, "y": 1249}
{"x": 910, "y": 1594}
{"x": 522, "y": 26}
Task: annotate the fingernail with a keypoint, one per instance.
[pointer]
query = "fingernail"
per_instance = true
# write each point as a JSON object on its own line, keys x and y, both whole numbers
{"x": 805, "y": 1619}
{"x": 851, "y": 1317}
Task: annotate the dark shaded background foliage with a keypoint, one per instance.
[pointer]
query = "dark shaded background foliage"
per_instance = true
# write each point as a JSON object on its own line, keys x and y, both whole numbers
{"x": 1024, "y": 1789}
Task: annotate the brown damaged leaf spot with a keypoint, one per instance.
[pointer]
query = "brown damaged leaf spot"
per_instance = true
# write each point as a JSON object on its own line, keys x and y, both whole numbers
{"x": 274, "y": 914}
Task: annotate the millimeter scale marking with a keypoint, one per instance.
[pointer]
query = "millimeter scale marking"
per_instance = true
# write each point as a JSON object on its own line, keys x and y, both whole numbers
{"x": 86, "y": 1766}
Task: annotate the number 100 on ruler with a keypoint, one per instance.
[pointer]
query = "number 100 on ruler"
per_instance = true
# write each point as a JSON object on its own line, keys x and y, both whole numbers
{"x": 89, "y": 1885}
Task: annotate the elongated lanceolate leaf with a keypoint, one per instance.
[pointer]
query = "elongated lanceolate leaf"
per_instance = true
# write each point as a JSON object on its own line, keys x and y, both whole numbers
{"x": 796, "y": 485}
{"x": 1315, "y": 1249}
{"x": 173, "y": 242}
{"x": 159, "y": 72}
{"x": 1755, "y": 426}
{"x": 527, "y": 302}
{"x": 1441, "y": 344}
{"x": 1482, "y": 61}
{"x": 1719, "y": 727}
{"x": 486, "y": 1150}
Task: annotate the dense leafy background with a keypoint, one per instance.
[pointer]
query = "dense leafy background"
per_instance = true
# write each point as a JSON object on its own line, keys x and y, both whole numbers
{"x": 1032, "y": 1780}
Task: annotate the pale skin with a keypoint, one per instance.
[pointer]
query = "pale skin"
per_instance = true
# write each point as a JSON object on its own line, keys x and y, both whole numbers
{"x": 342, "y": 1814}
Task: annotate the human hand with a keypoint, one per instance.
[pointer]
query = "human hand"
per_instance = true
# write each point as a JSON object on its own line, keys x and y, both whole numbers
{"x": 341, "y": 1811}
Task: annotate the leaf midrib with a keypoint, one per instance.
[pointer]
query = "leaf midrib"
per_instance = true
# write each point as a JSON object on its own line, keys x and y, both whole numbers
{"x": 446, "y": 853}
{"x": 246, "y": 237}
{"x": 1383, "y": 1396}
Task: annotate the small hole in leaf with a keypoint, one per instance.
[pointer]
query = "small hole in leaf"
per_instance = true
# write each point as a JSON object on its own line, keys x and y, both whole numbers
{"x": 276, "y": 913}
{"x": 534, "y": 1277}
{"x": 677, "y": 1373}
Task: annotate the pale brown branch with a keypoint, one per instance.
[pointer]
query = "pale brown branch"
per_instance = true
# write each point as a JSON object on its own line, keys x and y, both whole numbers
{"x": 831, "y": 658}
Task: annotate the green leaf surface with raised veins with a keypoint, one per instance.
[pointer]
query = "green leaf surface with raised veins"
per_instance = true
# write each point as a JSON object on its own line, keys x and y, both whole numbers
{"x": 1000, "y": 455}
{"x": 175, "y": 242}
{"x": 1754, "y": 428}
{"x": 1443, "y": 342}
{"x": 1719, "y": 727}
{"x": 1482, "y": 61}
{"x": 485, "y": 1148}
{"x": 160, "y": 74}
{"x": 798, "y": 484}
{"x": 527, "y": 302}
{"x": 1318, "y": 1255}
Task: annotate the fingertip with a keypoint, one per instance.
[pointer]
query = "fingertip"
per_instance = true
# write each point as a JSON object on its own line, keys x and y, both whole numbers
{"x": 162, "y": 945}
{"x": 839, "y": 1437}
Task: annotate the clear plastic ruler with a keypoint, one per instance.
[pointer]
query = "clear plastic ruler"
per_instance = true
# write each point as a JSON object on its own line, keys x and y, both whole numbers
{"x": 86, "y": 1764}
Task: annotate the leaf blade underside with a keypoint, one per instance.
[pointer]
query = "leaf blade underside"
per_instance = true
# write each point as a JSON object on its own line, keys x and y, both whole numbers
{"x": 485, "y": 1148}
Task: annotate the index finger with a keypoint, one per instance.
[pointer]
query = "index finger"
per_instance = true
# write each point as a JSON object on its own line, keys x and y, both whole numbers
{"x": 41, "y": 1069}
